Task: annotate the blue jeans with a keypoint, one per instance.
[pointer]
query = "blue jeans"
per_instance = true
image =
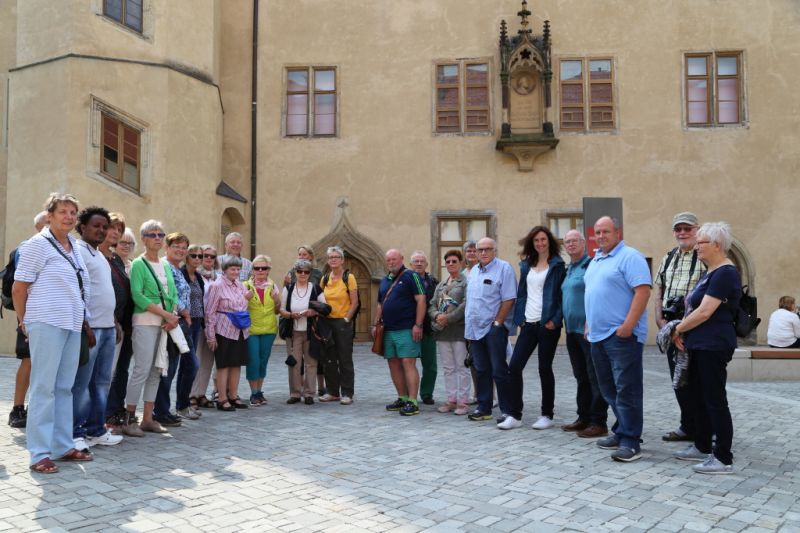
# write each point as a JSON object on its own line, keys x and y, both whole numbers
{"x": 54, "y": 363}
{"x": 489, "y": 360}
{"x": 188, "y": 370}
{"x": 259, "y": 348}
{"x": 90, "y": 390}
{"x": 531, "y": 335}
{"x": 618, "y": 364}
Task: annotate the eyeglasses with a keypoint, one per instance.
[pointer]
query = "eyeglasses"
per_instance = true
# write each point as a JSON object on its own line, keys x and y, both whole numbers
{"x": 334, "y": 257}
{"x": 302, "y": 272}
{"x": 703, "y": 242}
{"x": 154, "y": 235}
{"x": 209, "y": 256}
{"x": 178, "y": 247}
{"x": 261, "y": 269}
{"x": 485, "y": 250}
{"x": 683, "y": 229}
{"x": 196, "y": 256}
{"x": 124, "y": 243}
{"x": 571, "y": 241}
{"x": 451, "y": 262}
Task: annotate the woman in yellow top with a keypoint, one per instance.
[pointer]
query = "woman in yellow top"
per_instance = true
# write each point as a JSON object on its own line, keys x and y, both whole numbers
{"x": 263, "y": 308}
{"x": 341, "y": 293}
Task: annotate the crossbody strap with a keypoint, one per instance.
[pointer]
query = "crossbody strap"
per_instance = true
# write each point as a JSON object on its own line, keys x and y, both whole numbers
{"x": 158, "y": 282}
{"x": 75, "y": 268}
{"x": 386, "y": 296}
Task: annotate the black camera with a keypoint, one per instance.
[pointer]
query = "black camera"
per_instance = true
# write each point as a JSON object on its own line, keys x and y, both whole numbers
{"x": 674, "y": 308}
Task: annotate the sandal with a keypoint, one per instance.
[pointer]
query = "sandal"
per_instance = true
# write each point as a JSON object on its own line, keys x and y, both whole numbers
{"x": 45, "y": 466}
{"x": 77, "y": 456}
{"x": 202, "y": 401}
{"x": 225, "y": 406}
{"x": 238, "y": 403}
{"x": 193, "y": 402}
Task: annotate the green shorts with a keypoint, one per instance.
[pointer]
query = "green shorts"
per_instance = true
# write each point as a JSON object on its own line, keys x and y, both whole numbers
{"x": 399, "y": 344}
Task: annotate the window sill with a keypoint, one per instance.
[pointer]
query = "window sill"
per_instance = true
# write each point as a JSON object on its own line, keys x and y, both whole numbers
{"x": 114, "y": 184}
{"x": 140, "y": 34}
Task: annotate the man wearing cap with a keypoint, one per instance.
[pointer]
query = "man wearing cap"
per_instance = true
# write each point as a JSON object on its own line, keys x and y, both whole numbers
{"x": 677, "y": 275}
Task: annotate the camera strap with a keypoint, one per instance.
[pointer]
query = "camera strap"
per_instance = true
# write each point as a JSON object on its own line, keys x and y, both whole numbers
{"x": 670, "y": 256}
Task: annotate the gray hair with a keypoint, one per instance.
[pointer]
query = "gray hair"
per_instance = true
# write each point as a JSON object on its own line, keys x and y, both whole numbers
{"x": 41, "y": 218}
{"x": 231, "y": 236}
{"x": 150, "y": 225}
{"x": 333, "y": 250}
{"x": 718, "y": 232}
{"x": 303, "y": 264}
{"x": 55, "y": 198}
{"x": 419, "y": 253}
{"x": 129, "y": 233}
{"x": 261, "y": 258}
{"x": 231, "y": 261}
{"x": 469, "y": 244}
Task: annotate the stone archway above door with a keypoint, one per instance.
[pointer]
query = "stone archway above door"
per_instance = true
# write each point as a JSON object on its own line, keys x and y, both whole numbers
{"x": 354, "y": 243}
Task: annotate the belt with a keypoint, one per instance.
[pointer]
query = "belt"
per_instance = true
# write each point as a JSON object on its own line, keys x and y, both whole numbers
{"x": 537, "y": 323}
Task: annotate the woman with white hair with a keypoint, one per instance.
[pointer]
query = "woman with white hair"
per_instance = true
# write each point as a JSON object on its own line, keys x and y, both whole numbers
{"x": 707, "y": 333}
{"x": 125, "y": 247}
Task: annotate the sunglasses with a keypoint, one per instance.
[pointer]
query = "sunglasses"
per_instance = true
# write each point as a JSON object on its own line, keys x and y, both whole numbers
{"x": 154, "y": 235}
{"x": 682, "y": 229}
{"x": 196, "y": 256}
{"x": 124, "y": 243}
{"x": 451, "y": 262}
{"x": 261, "y": 269}
{"x": 302, "y": 272}
{"x": 209, "y": 256}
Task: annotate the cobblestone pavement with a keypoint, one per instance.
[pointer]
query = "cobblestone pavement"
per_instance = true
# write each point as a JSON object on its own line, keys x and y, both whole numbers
{"x": 329, "y": 467}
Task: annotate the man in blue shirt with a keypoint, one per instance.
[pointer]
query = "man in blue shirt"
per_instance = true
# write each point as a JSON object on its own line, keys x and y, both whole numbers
{"x": 592, "y": 408}
{"x": 491, "y": 292}
{"x": 617, "y": 289}
{"x": 401, "y": 307}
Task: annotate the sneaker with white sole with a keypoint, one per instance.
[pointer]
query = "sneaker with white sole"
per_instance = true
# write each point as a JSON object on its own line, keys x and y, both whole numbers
{"x": 106, "y": 439}
{"x": 712, "y": 465}
{"x": 80, "y": 444}
{"x": 510, "y": 423}
{"x": 346, "y": 400}
{"x": 608, "y": 443}
{"x": 188, "y": 413}
{"x": 690, "y": 454}
{"x": 626, "y": 455}
{"x": 544, "y": 422}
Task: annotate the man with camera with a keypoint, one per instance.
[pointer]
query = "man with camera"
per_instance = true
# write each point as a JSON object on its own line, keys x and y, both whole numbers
{"x": 677, "y": 275}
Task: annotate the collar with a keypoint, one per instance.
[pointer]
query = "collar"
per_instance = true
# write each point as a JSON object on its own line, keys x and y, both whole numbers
{"x": 399, "y": 272}
{"x": 598, "y": 253}
{"x": 91, "y": 249}
{"x": 580, "y": 261}
{"x": 482, "y": 268}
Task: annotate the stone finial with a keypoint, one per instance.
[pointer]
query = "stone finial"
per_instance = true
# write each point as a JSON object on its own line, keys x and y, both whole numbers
{"x": 503, "y": 33}
{"x": 524, "y": 14}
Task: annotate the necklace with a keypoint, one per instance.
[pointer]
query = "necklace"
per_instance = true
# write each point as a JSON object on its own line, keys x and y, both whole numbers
{"x": 299, "y": 295}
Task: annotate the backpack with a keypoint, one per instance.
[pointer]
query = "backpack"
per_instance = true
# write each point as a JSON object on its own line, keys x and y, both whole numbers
{"x": 8, "y": 280}
{"x": 744, "y": 317}
{"x": 345, "y": 277}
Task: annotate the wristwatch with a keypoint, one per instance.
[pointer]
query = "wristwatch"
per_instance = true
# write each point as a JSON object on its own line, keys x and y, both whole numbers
{"x": 347, "y": 320}
{"x": 496, "y": 323}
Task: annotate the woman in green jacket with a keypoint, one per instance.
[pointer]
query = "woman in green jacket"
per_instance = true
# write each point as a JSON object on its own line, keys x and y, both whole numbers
{"x": 263, "y": 308}
{"x": 154, "y": 298}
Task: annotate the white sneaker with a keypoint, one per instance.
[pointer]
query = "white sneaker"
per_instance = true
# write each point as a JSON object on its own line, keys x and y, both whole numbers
{"x": 106, "y": 439}
{"x": 690, "y": 454}
{"x": 80, "y": 444}
{"x": 544, "y": 422}
{"x": 346, "y": 400}
{"x": 188, "y": 413}
{"x": 509, "y": 423}
{"x": 712, "y": 465}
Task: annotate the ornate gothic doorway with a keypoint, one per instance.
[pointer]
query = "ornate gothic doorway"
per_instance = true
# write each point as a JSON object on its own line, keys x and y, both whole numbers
{"x": 364, "y": 281}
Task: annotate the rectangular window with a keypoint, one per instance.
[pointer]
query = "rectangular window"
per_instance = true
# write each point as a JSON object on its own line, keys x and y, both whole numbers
{"x": 561, "y": 223}
{"x": 126, "y": 12}
{"x": 121, "y": 155}
{"x": 713, "y": 88}
{"x": 587, "y": 94}
{"x": 462, "y": 97}
{"x": 454, "y": 230}
{"x": 311, "y": 102}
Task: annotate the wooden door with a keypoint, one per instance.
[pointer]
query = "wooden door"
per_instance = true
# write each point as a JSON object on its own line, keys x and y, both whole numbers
{"x": 364, "y": 280}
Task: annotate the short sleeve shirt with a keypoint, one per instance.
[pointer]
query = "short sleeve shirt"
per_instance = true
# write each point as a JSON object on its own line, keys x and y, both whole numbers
{"x": 103, "y": 301}
{"x": 399, "y": 310}
{"x": 677, "y": 280}
{"x": 572, "y": 293}
{"x": 338, "y": 296}
{"x": 487, "y": 288}
{"x": 717, "y": 333}
{"x": 610, "y": 282}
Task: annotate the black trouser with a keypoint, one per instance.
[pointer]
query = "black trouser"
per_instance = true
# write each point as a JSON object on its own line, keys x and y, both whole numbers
{"x": 338, "y": 360}
{"x": 532, "y": 335}
{"x": 683, "y": 396}
{"x": 119, "y": 383}
{"x": 707, "y": 377}
{"x": 592, "y": 408}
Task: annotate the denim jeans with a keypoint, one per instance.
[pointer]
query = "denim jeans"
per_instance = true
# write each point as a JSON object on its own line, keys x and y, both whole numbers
{"x": 489, "y": 361}
{"x": 119, "y": 382}
{"x": 187, "y": 369}
{"x": 531, "y": 335}
{"x": 708, "y": 375}
{"x": 92, "y": 382}
{"x": 682, "y": 395}
{"x": 54, "y": 363}
{"x": 592, "y": 408}
{"x": 618, "y": 363}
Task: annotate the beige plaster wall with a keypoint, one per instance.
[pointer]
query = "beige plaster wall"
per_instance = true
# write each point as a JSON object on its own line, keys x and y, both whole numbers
{"x": 395, "y": 172}
{"x": 8, "y": 36}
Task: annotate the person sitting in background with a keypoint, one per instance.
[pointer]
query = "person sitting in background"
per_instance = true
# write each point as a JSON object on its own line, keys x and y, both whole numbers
{"x": 784, "y": 325}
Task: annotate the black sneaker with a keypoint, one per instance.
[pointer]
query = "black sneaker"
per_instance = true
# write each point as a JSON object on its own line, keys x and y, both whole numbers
{"x": 396, "y": 406}
{"x": 409, "y": 409}
{"x": 477, "y": 416}
{"x": 168, "y": 421}
{"x": 428, "y": 400}
{"x": 18, "y": 417}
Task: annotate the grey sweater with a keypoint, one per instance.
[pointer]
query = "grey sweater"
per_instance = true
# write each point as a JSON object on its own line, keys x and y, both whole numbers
{"x": 457, "y": 292}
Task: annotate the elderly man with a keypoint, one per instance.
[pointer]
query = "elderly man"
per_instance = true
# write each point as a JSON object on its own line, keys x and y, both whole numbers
{"x": 419, "y": 263}
{"x": 233, "y": 247}
{"x": 491, "y": 292}
{"x": 617, "y": 289}
{"x": 677, "y": 275}
{"x": 592, "y": 408}
{"x": 401, "y": 308}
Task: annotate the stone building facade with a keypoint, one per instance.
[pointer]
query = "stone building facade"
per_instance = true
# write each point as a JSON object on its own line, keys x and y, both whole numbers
{"x": 406, "y": 124}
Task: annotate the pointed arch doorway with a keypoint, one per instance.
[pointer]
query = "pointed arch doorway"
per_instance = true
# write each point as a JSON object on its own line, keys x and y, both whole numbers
{"x": 364, "y": 281}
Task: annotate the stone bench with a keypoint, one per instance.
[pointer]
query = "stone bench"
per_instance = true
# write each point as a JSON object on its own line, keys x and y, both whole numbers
{"x": 762, "y": 363}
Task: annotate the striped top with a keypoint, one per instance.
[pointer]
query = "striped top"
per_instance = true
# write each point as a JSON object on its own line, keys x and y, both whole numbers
{"x": 224, "y": 296}
{"x": 54, "y": 297}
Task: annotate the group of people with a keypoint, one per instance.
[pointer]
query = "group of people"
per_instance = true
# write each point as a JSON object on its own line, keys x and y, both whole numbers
{"x": 125, "y": 328}
{"x": 601, "y": 303}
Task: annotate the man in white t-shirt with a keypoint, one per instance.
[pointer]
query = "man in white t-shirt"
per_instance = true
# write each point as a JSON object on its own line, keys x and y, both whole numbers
{"x": 93, "y": 380}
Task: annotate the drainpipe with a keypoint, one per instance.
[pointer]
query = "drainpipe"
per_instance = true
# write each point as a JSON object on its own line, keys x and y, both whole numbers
{"x": 253, "y": 133}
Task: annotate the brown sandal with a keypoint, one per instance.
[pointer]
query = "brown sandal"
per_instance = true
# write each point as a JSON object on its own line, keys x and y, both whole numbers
{"x": 45, "y": 466}
{"x": 202, "y": 401}
{"x": 77, "y": 456}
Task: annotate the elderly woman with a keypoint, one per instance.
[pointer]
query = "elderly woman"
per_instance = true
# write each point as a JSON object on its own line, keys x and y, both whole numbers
{"x": 341, "y": 293}
{"x": 50, "y": 270}
{"x": 209, "y": 272}
{"x": 537, "y": 312}
{"x": 295, "y": 305}
{"x": 263, "y": 308}
{"x": 784, "y": 325}
{"x": 125, "y": 247}
{"x": 227, "y": 332}
{"x": 707, "y": 333}
{"x": 447, "y": 320}
{"x": 154, "y": 299}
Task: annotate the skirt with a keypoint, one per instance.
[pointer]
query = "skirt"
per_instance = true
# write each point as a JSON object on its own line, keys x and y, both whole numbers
{"x": 230, "y": 353}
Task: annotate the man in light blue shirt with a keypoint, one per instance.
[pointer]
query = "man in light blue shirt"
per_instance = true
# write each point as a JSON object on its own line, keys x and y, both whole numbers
{"x": 491, "y": 292}
{"x": 617, "y": 289}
